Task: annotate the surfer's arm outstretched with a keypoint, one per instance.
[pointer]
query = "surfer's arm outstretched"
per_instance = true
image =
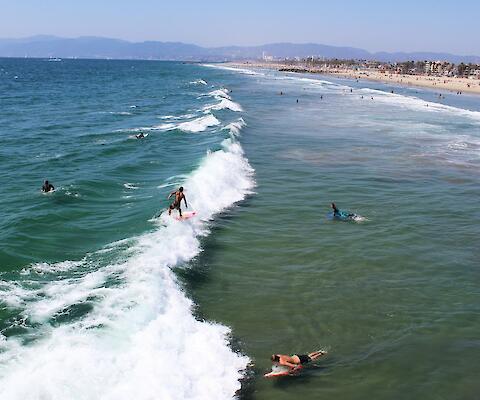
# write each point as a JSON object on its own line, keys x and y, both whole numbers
{"x": 171, "y": 194}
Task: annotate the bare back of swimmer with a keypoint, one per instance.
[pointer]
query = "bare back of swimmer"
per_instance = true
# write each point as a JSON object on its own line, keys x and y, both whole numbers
{"x": 296, "y": 360}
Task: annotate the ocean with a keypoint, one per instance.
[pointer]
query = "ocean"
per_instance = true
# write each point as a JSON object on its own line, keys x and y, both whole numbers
{"x": 104, "y": 296}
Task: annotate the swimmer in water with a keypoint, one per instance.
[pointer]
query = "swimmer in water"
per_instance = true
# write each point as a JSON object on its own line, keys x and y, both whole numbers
{"x": 339, "y": 214}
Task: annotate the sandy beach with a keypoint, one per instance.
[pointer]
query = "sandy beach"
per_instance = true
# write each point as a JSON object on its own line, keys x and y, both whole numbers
{"x": 455, "y": 85}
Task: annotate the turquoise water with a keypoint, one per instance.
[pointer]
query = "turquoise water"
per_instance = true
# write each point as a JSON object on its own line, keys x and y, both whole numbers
{"x": 93, "y": 282}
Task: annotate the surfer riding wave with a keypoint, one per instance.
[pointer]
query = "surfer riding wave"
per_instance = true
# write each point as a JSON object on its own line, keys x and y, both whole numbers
{"x": 179, "y": 196}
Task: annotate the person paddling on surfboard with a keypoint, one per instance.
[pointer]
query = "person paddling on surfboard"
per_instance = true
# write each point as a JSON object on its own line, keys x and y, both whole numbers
{"x": 295, "y": 361}
{"x": 179, "y": 196}
{"x": 47, "y": 187}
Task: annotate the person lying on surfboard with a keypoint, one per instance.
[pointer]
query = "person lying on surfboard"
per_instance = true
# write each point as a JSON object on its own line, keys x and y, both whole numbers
{"x": 295, "y": 361}
{"x": 179, "y": 196}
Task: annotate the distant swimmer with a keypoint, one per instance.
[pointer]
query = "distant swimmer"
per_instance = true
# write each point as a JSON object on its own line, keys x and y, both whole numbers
{"x": 140, "y": 135}
{"x": 47, "y": 187}
{"x": 321, "y": 96}
{"x": 297, "y": 100}
{"x": 295, "y": 361}
{"x": 340, "y": 214}
{"x": 179, "y": 196}
{"x": 336, "y": 211}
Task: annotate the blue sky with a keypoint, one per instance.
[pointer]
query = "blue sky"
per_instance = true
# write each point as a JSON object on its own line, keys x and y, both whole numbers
{"x": 401, "y": 25}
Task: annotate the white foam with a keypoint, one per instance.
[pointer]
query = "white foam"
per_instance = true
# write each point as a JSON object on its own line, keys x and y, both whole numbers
{"x": 43, "y": 268}
{"x": 128, "y": 185}
{"x": 140, "y": 339}
{"x": 199, "y": 124}
{"x": 312, "y": 81}
{"x": 359, "y": 218}
{"x": 235, "y": 69}
{"x": 196, "y": 125}
{"x": 115, "y": 112}
{"x": 198, "y": 82}
{"x": 164, "y": 185}
{"x": 416, "y": 104}
{"x": 224, "y": 104}
{"x": 174, "y": 117}
{"x": 235, "y": 126}
{"x": 220, "y": 93}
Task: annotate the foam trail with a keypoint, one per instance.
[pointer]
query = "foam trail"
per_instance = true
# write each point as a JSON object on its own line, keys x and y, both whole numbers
{"x": 224, "y": 104}
{"x": 139, "y": 340}
{"x": 177, "y": 117}
{"x": 129, "y": 185}
{"x": 416, "y": 104}
{"x": 199, "y": 124}
{"x": 235, "y": 127}
{"x": 239, "y": 70}
{"x": 196, "y": 125}
{"x": 115, "y": 112}
{"x": 198, "y": 82}
{"x": 220, "y": 93}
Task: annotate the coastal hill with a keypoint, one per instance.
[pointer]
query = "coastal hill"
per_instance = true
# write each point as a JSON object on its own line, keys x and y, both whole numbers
{"x": 104, "y": 48}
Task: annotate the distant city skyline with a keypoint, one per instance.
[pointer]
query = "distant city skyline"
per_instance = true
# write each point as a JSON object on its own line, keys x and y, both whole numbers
{"x": 407, "y": 26}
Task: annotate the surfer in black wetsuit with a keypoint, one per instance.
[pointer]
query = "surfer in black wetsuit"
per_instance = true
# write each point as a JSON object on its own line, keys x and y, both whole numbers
{"x": 294, "y": 361}
{"x": 47, "y": 187}
{"x": 140, "y": 135}
{"x": 179, "y": 196}
{"x": 338, "y": 214}
{"x": 336, "y": 211}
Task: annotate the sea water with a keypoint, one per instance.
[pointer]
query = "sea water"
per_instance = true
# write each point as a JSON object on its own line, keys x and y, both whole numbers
{"x": 103, "y": 296}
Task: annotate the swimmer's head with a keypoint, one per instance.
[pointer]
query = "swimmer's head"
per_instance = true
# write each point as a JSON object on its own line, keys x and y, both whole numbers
{"x": 180, "y": 188}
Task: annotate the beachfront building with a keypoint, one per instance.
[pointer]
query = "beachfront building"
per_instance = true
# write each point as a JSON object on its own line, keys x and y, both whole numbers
{"x": 266, "y": 57}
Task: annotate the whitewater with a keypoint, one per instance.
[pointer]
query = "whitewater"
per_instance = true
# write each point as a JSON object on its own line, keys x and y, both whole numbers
{"x": 139, "y": 338}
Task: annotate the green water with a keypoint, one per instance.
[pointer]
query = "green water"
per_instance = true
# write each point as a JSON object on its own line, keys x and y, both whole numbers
{"x": 395, "y": 299}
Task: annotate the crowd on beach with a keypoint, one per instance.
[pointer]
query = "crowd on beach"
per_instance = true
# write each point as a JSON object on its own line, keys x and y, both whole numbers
{"x": 443, "y": 78}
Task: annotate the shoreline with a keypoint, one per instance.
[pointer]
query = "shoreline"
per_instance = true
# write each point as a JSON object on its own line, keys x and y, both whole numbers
{"x": 453, "y": 85}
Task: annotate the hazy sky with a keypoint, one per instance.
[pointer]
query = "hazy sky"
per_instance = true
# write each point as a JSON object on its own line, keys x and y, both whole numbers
{"x": 400, "y": 25}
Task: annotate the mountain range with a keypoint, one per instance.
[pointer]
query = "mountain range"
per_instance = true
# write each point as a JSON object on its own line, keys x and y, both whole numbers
{"x": 43, "y": 46}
